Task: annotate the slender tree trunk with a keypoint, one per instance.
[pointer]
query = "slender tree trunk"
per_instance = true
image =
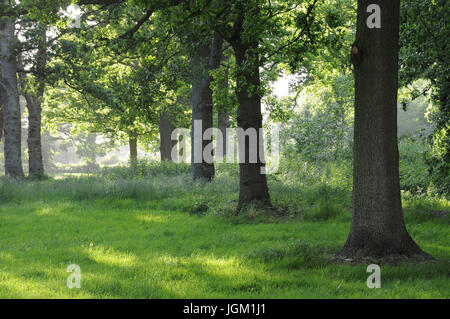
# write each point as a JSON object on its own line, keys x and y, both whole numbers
{"x": 253, "y": 184}
{"x": 165, "y": 137}
{"x": 36, "y": 164}
{"x": 223, "y": 116}
{"x": 377, "y": 228}
{"x": 132, "y": 142}
{"x": 223, "y": 120}
{"x": 207, "y": 58}
{"x": 10, "y": 99}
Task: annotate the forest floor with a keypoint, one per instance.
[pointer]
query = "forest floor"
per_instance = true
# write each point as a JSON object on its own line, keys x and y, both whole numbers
{"x": 156, "y": 237}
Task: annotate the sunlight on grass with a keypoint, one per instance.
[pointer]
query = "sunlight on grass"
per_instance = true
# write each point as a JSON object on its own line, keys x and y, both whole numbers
{"x": 147, "y": 238}
{"x": 152, "y": 218}
{"x": 110, "y": 257}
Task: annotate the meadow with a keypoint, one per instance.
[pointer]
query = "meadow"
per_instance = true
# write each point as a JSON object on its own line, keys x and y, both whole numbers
{"x": 150, "y": 232}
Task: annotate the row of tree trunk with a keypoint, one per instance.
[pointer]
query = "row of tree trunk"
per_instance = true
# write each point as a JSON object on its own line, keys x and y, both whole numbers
{"x": 377, "y": 227}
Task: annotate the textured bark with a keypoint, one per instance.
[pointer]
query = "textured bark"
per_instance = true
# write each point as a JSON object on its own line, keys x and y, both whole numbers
{"x": 207, "y": 58}
{"x": 253, "y": 184}
{"x": 165, "y": 137}
{"x": 377, "y": 228}
{"x": 10, "y": 99}
{"x": 132, "y": 143}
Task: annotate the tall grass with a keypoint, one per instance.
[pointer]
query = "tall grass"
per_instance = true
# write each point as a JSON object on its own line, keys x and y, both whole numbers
{"x": 300, "y": 189}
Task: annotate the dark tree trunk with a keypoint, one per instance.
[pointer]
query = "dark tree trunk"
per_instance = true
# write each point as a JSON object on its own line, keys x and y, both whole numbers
{"x": 165, "y": 136}
{"x": 377, "y": 228}
{"x": 36, "y": 164}
{"x": 253, "y": 184}
{"x": 208, "y": 58}
{"x": 223, "y": 120}
{"x": 132, "y": 143}
{"x": 35, "y": 161}
{"x": 223, "y": 116}
{"x": 10, "y": 99}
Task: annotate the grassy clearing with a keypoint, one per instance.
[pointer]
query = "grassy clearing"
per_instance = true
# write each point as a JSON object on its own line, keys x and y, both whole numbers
{"x": 152, "y": 233}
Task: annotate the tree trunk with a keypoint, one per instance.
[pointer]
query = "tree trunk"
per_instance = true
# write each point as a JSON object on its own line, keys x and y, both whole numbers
{"x": 36, "y": 164}
{"x": 223, "y": 116}
{"x": 10, "y": 99}
{"x": 132, "y": 142}
{"x": 165, "y": 137}
{"x": 207, "y": 58}
{"x": 377, "y": 228}
{"x": 253, "y": 184}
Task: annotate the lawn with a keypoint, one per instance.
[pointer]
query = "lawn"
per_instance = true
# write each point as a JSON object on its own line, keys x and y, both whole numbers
{"x": 156, "y": 238}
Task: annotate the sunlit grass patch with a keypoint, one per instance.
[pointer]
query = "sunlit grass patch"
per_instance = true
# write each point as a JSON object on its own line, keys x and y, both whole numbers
{"x": 162, "y": 236}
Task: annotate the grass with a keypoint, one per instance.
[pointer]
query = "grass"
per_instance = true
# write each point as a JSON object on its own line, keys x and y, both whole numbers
{"x": 155, "y": 234}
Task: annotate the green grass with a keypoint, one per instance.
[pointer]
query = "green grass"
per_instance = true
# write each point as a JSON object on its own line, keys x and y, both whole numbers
{"x": 158, "y": 235}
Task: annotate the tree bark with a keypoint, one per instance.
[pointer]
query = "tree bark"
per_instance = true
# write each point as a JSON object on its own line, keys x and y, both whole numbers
{"x": 165, "y": 136}
{"x": 36, "y": 164}
{"x": 132, "y": 142}
{"x": 253, "y": 184}
{"x": 223, "y": 116}
{"x": 207, "y": 58}
{"x": 377, "y": 229}
{"x": 10, "y": 99}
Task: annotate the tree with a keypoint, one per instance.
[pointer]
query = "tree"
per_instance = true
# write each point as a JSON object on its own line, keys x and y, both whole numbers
{"x": 33, "y": 88}
{"x": 207, "y": 58}
{"x": 253, "y": 182}
{"x": 165, "y": 136}
{"x": 224, "y": 99}
{"x": 10, "y": 95}
{"x": 377, "y": 228}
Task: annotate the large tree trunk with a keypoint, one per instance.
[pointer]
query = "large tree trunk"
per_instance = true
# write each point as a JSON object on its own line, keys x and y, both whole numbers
{"x": 207, "y": 58}
{"x": 253, "y": 182}
{"x": 10, "y": 99}
{"x": 377, "y": 228}
{"x": 165, "y": 136}
{"x": 132, "y": 143}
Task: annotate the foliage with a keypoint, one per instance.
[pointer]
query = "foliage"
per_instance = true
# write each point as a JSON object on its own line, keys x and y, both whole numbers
{"x": 323, "y": 127}
{"x": 425, "y": 55}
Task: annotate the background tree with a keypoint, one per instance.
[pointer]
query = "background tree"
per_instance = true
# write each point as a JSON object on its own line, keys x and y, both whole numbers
{"x": 32, "y": 88}
{"x": 9, "y": 91}
{"x": 425, "y": 54}
{"x": 207, "y": 58}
